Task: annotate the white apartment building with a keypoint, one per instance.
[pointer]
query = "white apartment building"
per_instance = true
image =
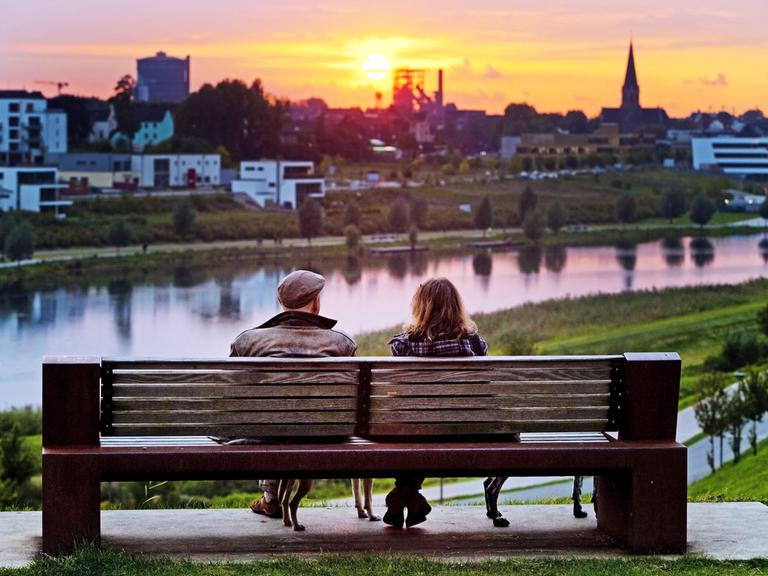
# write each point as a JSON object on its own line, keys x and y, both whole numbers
{"x": 278, "y": 182}
{"x": 176, "y": 170}
{"x": 28, "y": 129}
{"x": 31, "y": 188}
{"x": 731, "y": 155}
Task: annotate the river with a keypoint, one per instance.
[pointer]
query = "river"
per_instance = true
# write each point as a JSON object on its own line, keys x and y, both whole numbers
{"x": 194, "y": 313}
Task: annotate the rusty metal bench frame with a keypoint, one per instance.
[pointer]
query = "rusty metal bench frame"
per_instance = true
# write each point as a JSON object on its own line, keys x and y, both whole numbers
{"x": 642, "y": 470}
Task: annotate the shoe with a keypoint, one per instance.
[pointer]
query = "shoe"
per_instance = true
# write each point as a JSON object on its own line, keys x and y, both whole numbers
{"x": 418, "y": 508}
{"x": 395, "y": 502}
{"x": 269, "y": 509}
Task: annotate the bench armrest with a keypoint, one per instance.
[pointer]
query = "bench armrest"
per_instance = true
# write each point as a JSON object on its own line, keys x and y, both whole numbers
{"x": 71, "y": 401}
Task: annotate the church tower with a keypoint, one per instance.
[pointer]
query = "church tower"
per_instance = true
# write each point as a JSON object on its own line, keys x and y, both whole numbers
{"x": 630, "y": 92}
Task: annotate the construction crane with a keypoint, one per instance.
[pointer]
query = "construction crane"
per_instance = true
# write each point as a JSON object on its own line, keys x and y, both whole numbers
{"x": 59, "y": 85}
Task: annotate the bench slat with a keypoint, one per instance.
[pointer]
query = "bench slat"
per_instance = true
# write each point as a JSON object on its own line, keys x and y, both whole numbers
{"x": 254, "y": 376}
{"x": 491, "y": 375}
{"x": 213, "y": 417}
{"x": 517, "y": 401}
{"x": 235, "y": 404}
{"x": 490, "y": 415}
{"x": 492, "y": 389}
{"x": 466, "y": 429}
{"x": 235, "y": 431}
{"x": 227, "y": 391}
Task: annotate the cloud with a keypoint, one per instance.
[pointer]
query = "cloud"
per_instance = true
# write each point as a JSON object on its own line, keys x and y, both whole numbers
{"x": 719, "y": 81}
{"x": 491, "y": 73}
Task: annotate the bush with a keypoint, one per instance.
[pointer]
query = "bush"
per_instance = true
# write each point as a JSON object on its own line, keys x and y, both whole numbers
{"x": 184, "y": 215}
{"x": 702, "y": 210}
{"x": 399, "y": 216}
{"x": 517, "y": 343}
{"x": 740, "y": 349}
{"x": 352, "y": 237}
{"x": 557, "y": 217}
{"x": 534, "y": 225}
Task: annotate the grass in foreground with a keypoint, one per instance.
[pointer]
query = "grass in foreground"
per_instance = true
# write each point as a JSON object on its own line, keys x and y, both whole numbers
{"x": 746, "y": 481}
{"x": 91, "y": 561}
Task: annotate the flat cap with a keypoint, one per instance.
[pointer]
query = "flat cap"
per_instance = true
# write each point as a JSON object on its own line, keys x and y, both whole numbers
{"x": 299, "y": 288}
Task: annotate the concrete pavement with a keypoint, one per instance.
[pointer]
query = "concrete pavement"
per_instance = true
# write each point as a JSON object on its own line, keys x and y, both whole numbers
{"x": 717, "y": 531}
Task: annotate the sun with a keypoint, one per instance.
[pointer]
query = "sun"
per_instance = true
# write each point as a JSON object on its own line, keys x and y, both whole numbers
{"x": 377, "y": 67}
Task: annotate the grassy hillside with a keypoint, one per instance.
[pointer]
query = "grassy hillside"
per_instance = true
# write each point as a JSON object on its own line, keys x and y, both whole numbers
{"x": 746, "y": 481}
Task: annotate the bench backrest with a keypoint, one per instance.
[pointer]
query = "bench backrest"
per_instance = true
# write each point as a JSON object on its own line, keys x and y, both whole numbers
{"x": 634, "y": 394}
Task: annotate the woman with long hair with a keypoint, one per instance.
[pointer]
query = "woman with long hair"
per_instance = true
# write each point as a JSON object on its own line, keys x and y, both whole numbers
{"x": 440, "y": 327}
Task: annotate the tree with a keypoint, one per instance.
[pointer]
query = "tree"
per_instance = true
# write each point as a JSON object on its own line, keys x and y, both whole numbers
{"x": 352, "y": 237}
{"x": 413, "y": 237}
{"x": 710, "y": 411}
{"x": 702, "y": 210}
{"x": 399, "y": 216}
{"x": 673, "y": 204}
{"x": 419, "y": 210}
{"x": 79, "y": 123}
{"x": 754, "y": 389}
{"x": 734, "y": 413}
{"x": 120, "y": 233}
{"x": 184, "y": 215}
{"x": 20, "y": 243}
{"x": 310, "y": 219}
{"x": 244, "y": 119}
{"x": 352, "y": 214}
{"x": 762, "y": 319}
{"x": 557, "y": 217}
{"x": 125, "y": 112}
{"x": 626, "y": 208}
{"x": 534, "y": 225}
{"x": 526, "y": 203}
{"x": 764, "y": 211}
{"x": 484, "y": 215}
{"x": 7, "y": 223}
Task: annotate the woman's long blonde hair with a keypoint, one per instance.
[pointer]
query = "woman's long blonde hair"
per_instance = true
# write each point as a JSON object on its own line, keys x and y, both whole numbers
{"x": 438, "y": 312}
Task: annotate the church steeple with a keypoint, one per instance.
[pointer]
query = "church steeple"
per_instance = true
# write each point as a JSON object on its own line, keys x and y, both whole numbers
{"x": 630, "y": 92}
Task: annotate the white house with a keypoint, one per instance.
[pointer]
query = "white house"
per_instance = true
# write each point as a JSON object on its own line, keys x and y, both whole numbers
{"x": 278, "y": 182}
{"x": 31, "y": 188}
{"x": 103, "y": 124}
{"x": 28, "y": 128}
{"x": 731, "y": 155}
{"x": 176, "y": 170}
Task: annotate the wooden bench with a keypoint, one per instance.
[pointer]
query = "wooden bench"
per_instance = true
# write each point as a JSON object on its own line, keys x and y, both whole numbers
{"x": 128, "y": 420}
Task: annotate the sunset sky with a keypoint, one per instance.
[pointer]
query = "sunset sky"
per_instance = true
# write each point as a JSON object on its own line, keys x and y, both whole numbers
{"x": 555, "y": 54}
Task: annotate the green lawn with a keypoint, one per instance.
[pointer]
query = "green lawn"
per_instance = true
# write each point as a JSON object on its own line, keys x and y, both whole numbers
{"x": 746, "y": 481}
{"x": 93, "y": 562}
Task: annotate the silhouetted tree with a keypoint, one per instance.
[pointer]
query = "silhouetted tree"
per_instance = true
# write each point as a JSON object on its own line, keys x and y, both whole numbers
{"x": 534, "y": 225}
{"x": 352, "y": 237}
{"x": 556, "y": 217}
{"x": 79, "y": 123}
{"x": 7, "y": 223}
{"x": 184, "y": 216}
{"x": 626, "y": 208}
{"x": 310, "y": 219}
{"x": 120, "y": 233}
{"x": 352, "y": 214}
{"x": 399, "y": 216}
{"x": 484, "y": 215}
{"x": 673, "y": 204}
{"x": 526, "y": 203}
{"x": 702, "y": 210}
{"x": 20, "y": 243}
{"x": 125, "y": 112}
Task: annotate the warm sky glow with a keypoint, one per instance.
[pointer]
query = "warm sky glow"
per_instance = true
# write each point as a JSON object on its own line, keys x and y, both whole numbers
{"x": 554, "y": 54}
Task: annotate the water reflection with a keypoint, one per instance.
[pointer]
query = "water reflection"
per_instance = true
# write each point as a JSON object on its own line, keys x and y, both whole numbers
{"x": 529, "y": 259}
{"x": 673, "y": 251}
{"x": 196, "y": 311}
{"x": 702, "y": 252}
{"x": 555, "y": 258}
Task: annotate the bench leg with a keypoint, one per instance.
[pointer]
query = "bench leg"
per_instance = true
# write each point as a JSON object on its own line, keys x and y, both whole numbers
{"x": 71, "y": 503}
{"x": 645, "y": 509}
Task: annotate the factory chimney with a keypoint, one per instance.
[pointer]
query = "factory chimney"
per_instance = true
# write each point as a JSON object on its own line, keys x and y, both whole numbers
{"x": 439, "y": 93}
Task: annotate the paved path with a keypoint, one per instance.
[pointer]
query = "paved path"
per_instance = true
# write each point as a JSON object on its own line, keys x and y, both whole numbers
{"x": 452, "y": 533}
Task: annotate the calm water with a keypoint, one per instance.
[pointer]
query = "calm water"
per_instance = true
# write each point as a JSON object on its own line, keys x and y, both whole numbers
{"x": 187, "y": 313}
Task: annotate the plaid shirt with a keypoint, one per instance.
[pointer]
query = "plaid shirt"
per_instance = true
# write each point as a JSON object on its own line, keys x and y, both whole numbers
{"x": 467, "y": 345}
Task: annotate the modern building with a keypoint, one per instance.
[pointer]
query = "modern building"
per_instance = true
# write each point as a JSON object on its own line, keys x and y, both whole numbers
{"x": 28, "y": 129}
{"x": 177, "y": 170}
{"x": 278, "y": 183}
{"x": 162, "y": 78}
{"x": 156, "y": 125}
{"x": 84, "y": 171}
{"x": 606, "y": 140}
{"x": 31, "y": 188}
{"x": 631, "y": 116}
{"x": 731, "y": 155}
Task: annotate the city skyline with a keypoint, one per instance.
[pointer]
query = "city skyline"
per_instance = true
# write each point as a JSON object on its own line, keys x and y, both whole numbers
{"x": 694, "y": 56}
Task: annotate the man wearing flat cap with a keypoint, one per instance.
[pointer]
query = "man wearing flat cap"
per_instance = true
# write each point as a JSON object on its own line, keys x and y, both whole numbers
{"x": 297, "y": 332}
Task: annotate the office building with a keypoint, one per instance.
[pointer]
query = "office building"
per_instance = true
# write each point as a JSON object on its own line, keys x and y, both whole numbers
{"x": 31, "y": 188}
{"x": 731, "y": 155}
